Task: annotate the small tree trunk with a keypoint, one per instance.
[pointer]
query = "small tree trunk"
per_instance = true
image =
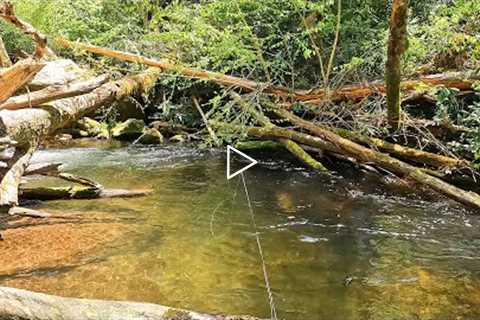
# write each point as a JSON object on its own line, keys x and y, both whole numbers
{"x": 397, "y": 45}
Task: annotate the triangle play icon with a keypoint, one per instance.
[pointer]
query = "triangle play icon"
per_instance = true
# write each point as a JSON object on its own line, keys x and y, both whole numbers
{"x": 252, "y": 162}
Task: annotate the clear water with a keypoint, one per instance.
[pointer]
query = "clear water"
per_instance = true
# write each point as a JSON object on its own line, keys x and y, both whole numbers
{"x": 339, "y": 247}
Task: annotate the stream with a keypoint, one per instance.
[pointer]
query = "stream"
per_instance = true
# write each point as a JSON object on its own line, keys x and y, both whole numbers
{"x": 336, "y": 247}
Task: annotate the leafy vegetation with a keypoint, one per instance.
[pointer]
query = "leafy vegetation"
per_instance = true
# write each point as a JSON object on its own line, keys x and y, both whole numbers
{"x": 285, "y": 42}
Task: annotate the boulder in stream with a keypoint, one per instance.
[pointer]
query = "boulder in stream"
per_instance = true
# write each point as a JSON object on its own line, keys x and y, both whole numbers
{"x": 127, "y": 130}
{"x": 151, "y": 136}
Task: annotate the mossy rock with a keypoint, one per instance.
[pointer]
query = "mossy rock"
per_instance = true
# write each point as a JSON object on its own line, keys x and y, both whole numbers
{"x": 92, "y": 128}
{"x": 128, "y": 130}
{"x": 151, "y": 136}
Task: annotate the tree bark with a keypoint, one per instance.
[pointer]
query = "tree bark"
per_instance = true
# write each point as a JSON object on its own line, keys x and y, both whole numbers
{"x": 25, "y": 305}
{"x": 17, "y": 76}
{"x": 397, "y": 45}
{"x": 53, "y": 93}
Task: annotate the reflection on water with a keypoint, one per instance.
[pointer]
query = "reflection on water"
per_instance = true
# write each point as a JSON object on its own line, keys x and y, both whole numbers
{"x": 336, "y": 248}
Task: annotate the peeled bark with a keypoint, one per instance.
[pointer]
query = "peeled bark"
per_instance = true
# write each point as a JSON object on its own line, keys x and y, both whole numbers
{"x": 26, "y": 305}
{"x": 53, "y": 93}
{"x": 17, "y": 76}
{"x": 397, "y": 45}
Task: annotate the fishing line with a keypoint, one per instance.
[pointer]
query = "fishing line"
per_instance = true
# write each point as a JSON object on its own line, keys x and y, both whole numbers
{"x": 273, "y": 311}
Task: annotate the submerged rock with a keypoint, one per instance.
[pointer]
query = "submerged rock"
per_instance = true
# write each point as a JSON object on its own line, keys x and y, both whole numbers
{"x": 130, "y": 129}
{"x": 151, "y": 136}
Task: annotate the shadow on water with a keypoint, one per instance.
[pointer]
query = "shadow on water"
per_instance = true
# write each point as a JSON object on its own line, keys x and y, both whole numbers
{"x": 335, "y": 247}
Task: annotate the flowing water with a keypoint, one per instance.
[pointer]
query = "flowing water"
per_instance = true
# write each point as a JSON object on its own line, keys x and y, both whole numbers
{"x": 336, "y": 247}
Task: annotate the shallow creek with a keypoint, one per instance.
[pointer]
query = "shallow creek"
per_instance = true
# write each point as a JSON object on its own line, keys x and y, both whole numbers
{"x": 336, "y": 247}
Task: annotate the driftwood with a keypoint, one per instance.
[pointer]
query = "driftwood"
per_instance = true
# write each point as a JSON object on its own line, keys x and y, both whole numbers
{"x": 85, "y": 192}
{"x": 53, "y": 93}
{"x": 27, "y": 305}
{"x": 11, "y": 180}
{"x": 7, "y": 13}
{"x": 15, "y": 77}
{"x": 461, "y": 81}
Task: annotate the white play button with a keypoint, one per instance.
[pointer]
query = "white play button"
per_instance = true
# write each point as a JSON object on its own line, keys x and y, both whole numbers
{"x": 252, "y": 162}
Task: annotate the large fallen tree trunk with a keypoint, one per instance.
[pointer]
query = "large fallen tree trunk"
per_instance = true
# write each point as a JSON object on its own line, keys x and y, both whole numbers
{"x": 16, "y": 76}
{"x": 52, "y": 93}
{"x": 32, "y": 125}
{"x": 23, "y": 125}
{"x": 461, "y": 81}
{"x": 25, "y": 305}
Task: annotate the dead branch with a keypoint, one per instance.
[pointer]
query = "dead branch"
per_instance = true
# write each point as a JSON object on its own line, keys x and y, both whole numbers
{"x": 15, "y": 77}
{"x": 52, "y": 93}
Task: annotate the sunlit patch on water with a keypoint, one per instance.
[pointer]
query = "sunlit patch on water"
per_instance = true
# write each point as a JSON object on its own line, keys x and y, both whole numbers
{"x": 335, "y": 247}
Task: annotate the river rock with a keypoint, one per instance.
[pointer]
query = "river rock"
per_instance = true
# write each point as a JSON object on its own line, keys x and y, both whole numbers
{"x": 57, "y": 72}
{"x": 92, "y": 128}
{"x": 130, "y": 129}
{"x": 151, "y": 136}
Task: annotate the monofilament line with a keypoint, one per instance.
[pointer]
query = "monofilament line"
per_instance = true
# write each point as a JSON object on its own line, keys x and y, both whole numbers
{"x": 273, "y": 311}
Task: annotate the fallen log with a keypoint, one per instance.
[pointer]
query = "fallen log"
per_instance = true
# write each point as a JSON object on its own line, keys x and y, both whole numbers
{"x": 406, "y": 153}
{"x": 461, "y": 81}
{"x": 7, "y": 13}
{"x": 65, "y": 193}
{"x": 364, "y": 154}
{"x": 290, "y": 145}
{"x": 18, "y": 75}
{"x": 27, "y": 305}
{"x": 27, "y": 125}
{"x": 22, "y": 125}
{"x": 167, "y": 65}
{"x": 11, "y": 180}
{"x": 52, "y": 93}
